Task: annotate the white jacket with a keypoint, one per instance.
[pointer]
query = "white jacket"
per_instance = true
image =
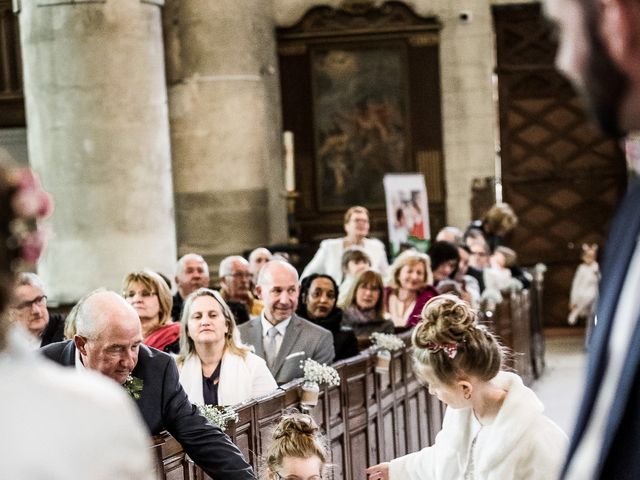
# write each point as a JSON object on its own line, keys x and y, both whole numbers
{"x": 522, "y": 443}
{"x": 240, "y": 378}
{"x": 328, "y": 258}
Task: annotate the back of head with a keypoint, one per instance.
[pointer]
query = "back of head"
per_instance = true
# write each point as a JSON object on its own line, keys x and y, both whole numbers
{"x": 296, "y": 436}
{"x": 500, "y": 219}
{"x": 450, "y": 345}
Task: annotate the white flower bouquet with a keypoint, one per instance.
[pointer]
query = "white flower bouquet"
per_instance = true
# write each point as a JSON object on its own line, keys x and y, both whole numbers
{"x": 218, "y": 415}
{"x": 319, "y": 373}
{"x": 386, "y": 341}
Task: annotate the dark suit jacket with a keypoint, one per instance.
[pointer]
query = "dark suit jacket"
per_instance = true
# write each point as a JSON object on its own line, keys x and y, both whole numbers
{"x": 619, "y": 457}
{"x": 164, "y": 405}
{"x": 54, "y": 332}
{"x": 302, "y": 340}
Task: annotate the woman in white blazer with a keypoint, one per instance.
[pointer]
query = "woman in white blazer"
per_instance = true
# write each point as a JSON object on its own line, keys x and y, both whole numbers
{"x": 215, "y": 367}
{"x": 328, "y": 258}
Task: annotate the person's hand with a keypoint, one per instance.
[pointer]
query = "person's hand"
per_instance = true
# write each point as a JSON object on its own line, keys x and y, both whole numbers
{"x": 379, "y": 472}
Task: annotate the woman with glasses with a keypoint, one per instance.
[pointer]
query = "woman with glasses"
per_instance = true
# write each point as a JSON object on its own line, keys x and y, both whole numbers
{"x": 297, "y": 451}
{"x": 363, "y": 310}
{"x": 215, "y": 367}
{"x": 151, "y": 298}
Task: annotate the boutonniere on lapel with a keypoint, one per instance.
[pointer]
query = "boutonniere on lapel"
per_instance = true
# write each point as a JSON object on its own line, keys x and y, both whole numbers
{"x": 134, "y": 386}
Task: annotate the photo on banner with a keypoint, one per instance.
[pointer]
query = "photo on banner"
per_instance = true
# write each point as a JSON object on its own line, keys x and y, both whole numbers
{"x": 407, "y": 212}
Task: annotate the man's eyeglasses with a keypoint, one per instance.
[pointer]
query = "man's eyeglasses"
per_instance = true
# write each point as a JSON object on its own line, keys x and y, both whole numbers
{"x": 142, "y": 293}
{"x": 40, "y": 300}
{"x": 296, "y": 477}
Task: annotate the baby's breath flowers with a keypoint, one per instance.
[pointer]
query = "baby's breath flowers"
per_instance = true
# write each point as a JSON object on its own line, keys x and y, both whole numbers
{"x": 218, "y": 415}
{"x": 386, "y": 341}
{"x": 319, "y": 373}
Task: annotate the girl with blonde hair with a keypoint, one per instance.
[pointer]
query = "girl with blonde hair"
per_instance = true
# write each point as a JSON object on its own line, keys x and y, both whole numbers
{"x": 297, "y": 450}
{"x": 494, "y": 428}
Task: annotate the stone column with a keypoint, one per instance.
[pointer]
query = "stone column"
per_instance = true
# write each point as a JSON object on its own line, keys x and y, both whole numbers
{"x": 98, "y": 134}
{"x": 224, "y": 108}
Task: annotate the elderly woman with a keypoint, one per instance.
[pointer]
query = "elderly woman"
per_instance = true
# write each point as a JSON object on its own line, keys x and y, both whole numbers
{"x": 363, "y": 309}
{"x": 215, "y": 367}
{"x": 410, "y": 287}
{"x": 150, "y": 296}
{"x": 318, "y": 304}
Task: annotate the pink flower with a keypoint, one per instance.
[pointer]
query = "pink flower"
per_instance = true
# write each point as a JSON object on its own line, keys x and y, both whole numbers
{"x": 30, "y": 200}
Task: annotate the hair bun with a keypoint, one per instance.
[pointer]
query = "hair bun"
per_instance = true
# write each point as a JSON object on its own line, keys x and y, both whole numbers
{"x": 445, "y": 319}
{"x": 294, "y": 424}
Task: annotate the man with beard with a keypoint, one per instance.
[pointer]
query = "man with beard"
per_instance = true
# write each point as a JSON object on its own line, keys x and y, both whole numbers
{"x": 600, "y": 52}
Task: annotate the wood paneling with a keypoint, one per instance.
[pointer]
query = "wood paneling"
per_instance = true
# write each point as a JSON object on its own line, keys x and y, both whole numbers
{"x": 562, "y": 178}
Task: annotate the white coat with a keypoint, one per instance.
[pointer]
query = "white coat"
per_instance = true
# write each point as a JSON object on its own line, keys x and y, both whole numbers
{"x": 522, "y": 444}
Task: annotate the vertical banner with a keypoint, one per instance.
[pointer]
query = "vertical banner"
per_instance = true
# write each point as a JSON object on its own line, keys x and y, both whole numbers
{"x": 407, "y": 212}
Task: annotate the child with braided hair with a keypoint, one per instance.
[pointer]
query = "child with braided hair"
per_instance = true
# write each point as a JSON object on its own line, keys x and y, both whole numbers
{"x": 297, "y": 451}
{"x": 494, "y": 428}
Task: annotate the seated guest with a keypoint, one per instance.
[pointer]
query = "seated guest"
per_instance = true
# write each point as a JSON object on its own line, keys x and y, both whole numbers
{"x": 444, "y": 260}
{"x": 150, "y": 297}
{"x": 296, "y": 451}
{"x": 318, "y": 295}
{"x": 450, "y": 234}
{"x": 192, "y": 273}
{"x": 278, "y": 335}
{"x": 354, "y": 261}
{"x": 257, "y": 258}
{"x": 363, "y": 310}
{"x": 328, "y": 258}
{"x": 109, "y": 339}
{"x": 410, "y": 287}
{"x": 470, "y": 289}
{"x": 215, "y": 368}
{"x": 29, "y": 309}
{"x": 494, "y": 426}
{"x": 480, "y": 251}
{"x": 235, "y": 283}
{"x": 55, "y": 424}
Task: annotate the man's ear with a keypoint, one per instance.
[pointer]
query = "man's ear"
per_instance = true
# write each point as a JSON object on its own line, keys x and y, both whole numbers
{"x": 259, "y": 291}
{"x": 80, "y": 343}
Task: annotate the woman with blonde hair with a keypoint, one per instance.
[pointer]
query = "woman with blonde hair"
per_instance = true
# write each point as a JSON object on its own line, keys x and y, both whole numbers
{"x": 151, "y": 298}
{"x": 297, "y": 451}
{"x": 410, "y": 287}
{"x": 215, "y": 367}
{"x": 494, "y": 428}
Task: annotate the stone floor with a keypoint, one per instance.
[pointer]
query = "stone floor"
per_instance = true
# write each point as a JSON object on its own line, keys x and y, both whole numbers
{"x": 560, "y": 387}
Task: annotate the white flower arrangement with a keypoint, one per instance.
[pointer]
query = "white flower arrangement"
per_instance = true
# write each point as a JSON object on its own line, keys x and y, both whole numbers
{"x": 218, "y": 415}
{"x": 319, "y": 373}
{"x": 515, "y": 285}
{"x": 491, "y": 296}
{"x": 386, "y": 341}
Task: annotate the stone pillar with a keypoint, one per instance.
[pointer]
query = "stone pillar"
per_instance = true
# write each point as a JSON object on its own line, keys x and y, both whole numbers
{"x": 98, "y": 134}
{"x": 224, "y": 108}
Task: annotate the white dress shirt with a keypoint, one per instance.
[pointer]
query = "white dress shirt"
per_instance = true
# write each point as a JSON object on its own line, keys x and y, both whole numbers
{"x": 266, "y": 326}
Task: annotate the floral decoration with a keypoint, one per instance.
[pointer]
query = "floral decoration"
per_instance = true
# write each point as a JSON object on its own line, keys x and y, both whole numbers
{"x": 386, "y": 341}
{"x": 218, "y": 415}
{"x": 319, "y": 373}
{"x": 134, "y": 385}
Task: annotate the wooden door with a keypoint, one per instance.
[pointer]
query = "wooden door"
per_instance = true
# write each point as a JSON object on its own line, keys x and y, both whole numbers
{"x": 12, "y": 113}
{"x": 562, "y": 177}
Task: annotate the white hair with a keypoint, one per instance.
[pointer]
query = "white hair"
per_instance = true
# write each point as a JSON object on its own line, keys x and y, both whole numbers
{"x": 28, "y": 278}
{"x": 226, "y": 265}
{"x": 190, "y": 256}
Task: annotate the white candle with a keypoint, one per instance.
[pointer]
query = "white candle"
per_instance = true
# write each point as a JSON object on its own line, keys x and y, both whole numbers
{"x": 289, "y": 168}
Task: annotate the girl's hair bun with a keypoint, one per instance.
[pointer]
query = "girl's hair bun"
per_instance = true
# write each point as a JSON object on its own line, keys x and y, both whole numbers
{"x": 294, "y": 424}
{"x": 445, "y": 319}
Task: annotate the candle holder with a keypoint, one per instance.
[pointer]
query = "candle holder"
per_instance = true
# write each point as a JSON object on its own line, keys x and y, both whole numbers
{"x": 292, "y": 232}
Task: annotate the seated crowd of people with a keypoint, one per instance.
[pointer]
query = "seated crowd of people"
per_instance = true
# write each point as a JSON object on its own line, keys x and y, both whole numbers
{"x": 248, "y": 334}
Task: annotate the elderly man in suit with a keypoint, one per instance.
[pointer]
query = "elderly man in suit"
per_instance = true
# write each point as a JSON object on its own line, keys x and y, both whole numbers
{"x": 278, "y": 335}
{"x": 192, "y": 273}
{"x": 599, "y": 49}
{"x": 109, "y": 340}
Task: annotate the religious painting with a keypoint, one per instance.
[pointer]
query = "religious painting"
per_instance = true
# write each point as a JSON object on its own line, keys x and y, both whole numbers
{"x": 360, "y": 122}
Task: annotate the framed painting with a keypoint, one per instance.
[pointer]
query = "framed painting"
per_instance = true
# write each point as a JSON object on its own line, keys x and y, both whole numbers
{"x": 360, "y": 90}
{"x": 360, "y": 120}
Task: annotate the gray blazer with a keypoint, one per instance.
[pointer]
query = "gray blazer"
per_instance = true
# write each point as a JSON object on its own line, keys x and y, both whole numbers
{"x": 302, "y": 340}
